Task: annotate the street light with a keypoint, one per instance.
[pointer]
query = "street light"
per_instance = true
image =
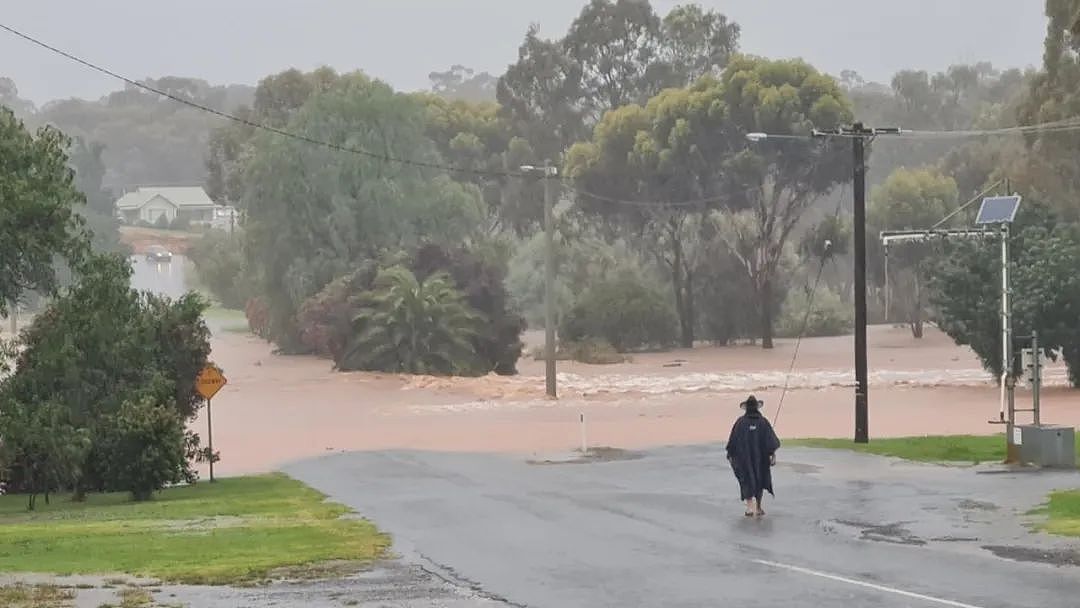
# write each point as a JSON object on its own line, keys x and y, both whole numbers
{"x": 858, "y": 134}
{"x": 548, "y": 174}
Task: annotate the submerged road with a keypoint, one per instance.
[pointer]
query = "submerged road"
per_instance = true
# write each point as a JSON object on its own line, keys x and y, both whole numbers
{"x": 664, "y": 528}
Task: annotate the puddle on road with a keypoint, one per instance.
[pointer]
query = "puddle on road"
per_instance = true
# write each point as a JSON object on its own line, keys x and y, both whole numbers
{"x": 894, "y": 533}
{"x": 593, "y": 455}
{"x": 977, "y": 505}
{"x": 800, "y": 467}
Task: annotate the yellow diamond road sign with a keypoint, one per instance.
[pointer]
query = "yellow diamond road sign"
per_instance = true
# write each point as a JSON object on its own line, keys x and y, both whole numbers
{"x": 209, "y": 381}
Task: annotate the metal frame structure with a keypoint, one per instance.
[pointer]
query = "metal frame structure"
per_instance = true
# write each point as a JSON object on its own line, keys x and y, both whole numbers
{"x": 1006, "y": 404}
{"x": 905, "y": 236}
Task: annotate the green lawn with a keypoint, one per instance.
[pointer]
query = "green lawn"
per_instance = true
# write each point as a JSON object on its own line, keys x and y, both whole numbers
{"x": 1062, "y": 513}
{"x": 234, "y": 530}
{"x": 931, "y": 448}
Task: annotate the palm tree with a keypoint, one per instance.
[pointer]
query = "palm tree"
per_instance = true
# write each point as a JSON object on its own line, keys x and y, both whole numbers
{"x": 412, "y": 326}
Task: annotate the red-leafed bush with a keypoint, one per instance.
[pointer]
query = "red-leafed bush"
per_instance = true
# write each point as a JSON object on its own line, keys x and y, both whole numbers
{"x": 258, "y": 317}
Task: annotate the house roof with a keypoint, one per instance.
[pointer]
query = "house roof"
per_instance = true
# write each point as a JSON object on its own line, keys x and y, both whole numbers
{"x": 180, "y": 196}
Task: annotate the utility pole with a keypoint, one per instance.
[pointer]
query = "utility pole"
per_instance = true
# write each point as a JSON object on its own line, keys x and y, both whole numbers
{"x": 548, "y": 174}
{"x": 859, "y": 134}
{"x": 862, "y": 409}
{"x": 549, "y": 279}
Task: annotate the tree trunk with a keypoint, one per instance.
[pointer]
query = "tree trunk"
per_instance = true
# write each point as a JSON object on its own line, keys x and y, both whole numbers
{"x": 688, "y": 303}
{"x": 766, "y": 314}
{"x": 686, "y": 338}
{"x": 916, "y": 311}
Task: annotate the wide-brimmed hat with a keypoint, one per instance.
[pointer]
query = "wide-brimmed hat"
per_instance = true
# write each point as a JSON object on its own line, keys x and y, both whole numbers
{"x": 751, "y": 403}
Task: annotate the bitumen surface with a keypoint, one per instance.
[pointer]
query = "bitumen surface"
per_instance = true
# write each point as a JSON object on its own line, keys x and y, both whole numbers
{"x": 665, "y": 528}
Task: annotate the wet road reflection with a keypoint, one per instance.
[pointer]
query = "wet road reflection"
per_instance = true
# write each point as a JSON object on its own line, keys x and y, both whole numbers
{"x": 164, "y": 278}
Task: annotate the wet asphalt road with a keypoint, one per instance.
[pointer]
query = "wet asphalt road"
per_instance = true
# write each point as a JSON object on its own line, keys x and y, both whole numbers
{"x": 666, "y": 529}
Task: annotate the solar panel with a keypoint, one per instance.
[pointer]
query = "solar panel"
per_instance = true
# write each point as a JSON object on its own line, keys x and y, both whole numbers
{"x": 998, "y": 210}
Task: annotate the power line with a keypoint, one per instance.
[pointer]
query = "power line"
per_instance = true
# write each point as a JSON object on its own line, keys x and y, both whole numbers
{"x": 1055, "y": 126}
{"x": 809, "y": 310}
{"x": 252, "y": 123}
{"x": 342, "y": 148}
{"x": 685, "y": 203}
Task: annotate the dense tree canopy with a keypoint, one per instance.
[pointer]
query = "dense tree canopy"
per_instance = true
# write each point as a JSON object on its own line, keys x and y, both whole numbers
{"x": 312, "y": 212}
{"x": 690, "y": 145}
{"x": 41, "y": 218}
{"x": 147, "y": 139}
{"x": 615, "y": 53}
{"x": 113, "y": 370}
{"x": 967, "y": 295}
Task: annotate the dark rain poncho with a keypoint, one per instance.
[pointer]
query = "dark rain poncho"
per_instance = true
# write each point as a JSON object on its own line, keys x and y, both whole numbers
{"x": 749, "y": 447}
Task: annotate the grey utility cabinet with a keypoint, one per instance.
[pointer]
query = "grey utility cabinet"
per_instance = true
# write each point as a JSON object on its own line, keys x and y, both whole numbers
{"x": 1048, "y": 445}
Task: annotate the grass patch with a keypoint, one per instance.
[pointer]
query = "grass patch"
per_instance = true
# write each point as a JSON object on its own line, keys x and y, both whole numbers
{"x": 229, "y": 320}
{"x": 931, "y": 448}
{"x": 35, "y": 596}
{"x": 132, "y": 597}
{"x": 1062, "y": 513}
{"x": 237, "y": 529}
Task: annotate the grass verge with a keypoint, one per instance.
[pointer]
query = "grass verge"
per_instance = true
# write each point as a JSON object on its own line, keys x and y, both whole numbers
{"x": 1062, "y": 513}
{"x": 235, "y": 530}
{"x": 931, "y": 448}
{"x": 36, "y": 596}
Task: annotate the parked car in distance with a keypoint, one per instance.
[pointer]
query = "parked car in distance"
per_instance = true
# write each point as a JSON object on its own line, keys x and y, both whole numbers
{"x": 158, "y": 254}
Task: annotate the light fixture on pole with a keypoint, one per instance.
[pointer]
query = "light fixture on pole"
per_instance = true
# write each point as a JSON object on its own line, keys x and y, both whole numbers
{"x": 548, "y": 174}
{"x": 858, "y": 133}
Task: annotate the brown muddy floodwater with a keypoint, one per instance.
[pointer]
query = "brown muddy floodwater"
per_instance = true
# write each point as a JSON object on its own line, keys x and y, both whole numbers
{"x": 277, "y": 409}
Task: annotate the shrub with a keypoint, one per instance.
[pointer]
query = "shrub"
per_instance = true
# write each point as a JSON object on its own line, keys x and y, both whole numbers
{"x": 144, "y": 448}
{"x": 481, "y": 279}
{"x": 180, "y": 222}
{"x": 93, "y": 351}
{"x": 412, "y": 326}
{"x": 257, "y": 313}
{"x": 162, "y": 222}
{"x": 829, "y": 314}
{"x": 325, "y": 320}
{"x": 42, "y": 451}
{"x": 624, "y": 312}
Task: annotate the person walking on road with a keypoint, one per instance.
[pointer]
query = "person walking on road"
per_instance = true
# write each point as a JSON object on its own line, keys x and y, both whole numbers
{"x": 751, "y": 450}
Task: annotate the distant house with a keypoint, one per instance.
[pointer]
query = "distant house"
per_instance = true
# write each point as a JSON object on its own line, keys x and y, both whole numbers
{"x": 151, "y": 204}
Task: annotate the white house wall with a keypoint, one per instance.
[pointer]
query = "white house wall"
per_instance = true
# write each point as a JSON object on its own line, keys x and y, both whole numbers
{"x": 155, "y": 208}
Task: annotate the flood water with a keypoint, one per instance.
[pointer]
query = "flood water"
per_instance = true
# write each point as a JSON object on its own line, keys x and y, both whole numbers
{"x": 163, "y": 278}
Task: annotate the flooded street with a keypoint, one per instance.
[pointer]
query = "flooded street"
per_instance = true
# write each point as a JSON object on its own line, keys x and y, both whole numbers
{"x": 164, "y": 278}
{"x": 277, "y": 409}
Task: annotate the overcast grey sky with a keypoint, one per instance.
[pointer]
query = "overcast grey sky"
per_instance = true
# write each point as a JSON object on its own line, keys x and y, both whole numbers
{"x": 401, "y": 41}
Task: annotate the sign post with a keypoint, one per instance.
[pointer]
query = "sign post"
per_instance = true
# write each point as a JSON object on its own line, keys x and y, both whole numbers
{"x": 209, "y": 381}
